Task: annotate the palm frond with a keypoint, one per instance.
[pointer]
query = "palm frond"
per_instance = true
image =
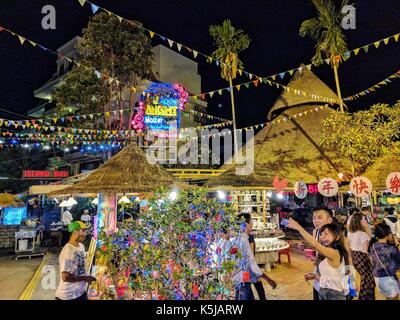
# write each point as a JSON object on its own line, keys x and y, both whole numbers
{"x": 229, "y": 42}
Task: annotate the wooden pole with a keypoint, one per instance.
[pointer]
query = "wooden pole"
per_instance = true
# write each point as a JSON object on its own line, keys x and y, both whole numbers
{"x": 264, "y": 206}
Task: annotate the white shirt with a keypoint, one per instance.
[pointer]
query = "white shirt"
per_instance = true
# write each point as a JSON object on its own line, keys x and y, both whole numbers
{"x": 71, "y": 260}
{"x": 248, "y": 261}
{"x": 332, "y": 278}
{"x": 357, "y": 241}
{"x": 86, "y": 218}
{"x": 67, "y": 218}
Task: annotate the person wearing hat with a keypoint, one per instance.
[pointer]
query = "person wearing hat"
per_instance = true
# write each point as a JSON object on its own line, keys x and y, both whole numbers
{"x": 73, "y": 278}
{"x": 87, "y": 218}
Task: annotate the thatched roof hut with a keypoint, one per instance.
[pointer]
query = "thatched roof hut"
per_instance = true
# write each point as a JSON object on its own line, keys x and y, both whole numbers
{"x": 290, "y": 148}
{"x": 129, "y": 171}
{"x": 380, "y": 169}
{"x": 317, "y": 92}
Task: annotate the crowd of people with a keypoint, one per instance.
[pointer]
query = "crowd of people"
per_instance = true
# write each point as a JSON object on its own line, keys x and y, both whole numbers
{"x": 358, "y": 245}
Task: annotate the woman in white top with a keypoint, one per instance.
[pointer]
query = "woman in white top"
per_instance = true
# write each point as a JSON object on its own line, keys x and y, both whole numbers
{"x": 332, "y": 267}
{"x": 359, "y": 242}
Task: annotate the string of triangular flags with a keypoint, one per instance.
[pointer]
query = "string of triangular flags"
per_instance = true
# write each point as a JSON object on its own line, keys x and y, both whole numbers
{"x": 345, "y": 55}
{"x": 255, "y": 83}
{"x": 374, "y": 88}
{"x": 100, "y": 143}
{"x": 111, "y": 79}
{"x": 25, "y": 124}
{"x": 269, "y": 123}
{"x": 211, "y": 93}
{"x": 71, "y": 118}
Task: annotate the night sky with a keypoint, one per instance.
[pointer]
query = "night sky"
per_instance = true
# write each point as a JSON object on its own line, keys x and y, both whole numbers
{"x": 273, "y": 26}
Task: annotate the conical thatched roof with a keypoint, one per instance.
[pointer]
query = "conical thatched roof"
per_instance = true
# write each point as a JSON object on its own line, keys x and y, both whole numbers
{"x": 128, "y": 171}
{"x": 379, "y": 171}
{"x": 289, "y": 148}
{"x": 305, "y": 81}
{"x": 10, "y": 200}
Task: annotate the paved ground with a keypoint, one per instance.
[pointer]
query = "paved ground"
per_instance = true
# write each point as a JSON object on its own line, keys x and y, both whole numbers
{"x": 15, "y": 275}
{"x": 47, "y": 285}
{"x": 290, "y": 280}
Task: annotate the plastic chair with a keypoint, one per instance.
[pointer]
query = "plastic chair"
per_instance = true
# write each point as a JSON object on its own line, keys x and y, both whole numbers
{"x": 285, "y": 252}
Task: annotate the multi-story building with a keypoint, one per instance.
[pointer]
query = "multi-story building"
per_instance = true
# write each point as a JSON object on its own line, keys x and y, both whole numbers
{"x": 169, "y": 67}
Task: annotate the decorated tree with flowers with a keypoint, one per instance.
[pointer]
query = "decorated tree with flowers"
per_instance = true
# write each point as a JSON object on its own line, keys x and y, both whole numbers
{"x": 184, "y": 245}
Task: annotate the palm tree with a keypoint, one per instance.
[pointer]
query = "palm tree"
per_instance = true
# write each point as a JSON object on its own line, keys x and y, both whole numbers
{"x": 326, "y": 30}
{"x": 230, "y": 42}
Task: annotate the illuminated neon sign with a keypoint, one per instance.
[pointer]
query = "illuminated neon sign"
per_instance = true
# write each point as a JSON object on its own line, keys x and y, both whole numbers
{"x": 39, "y": 174}
{"x": 159, "y": 108}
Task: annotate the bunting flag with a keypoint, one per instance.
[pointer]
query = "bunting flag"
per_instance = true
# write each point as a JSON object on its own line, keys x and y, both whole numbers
{"x": 94, "y": 8}
{"x": 21, "y": 39}
{"x": 82, "y": 2}
{"x": 374, "y": 87}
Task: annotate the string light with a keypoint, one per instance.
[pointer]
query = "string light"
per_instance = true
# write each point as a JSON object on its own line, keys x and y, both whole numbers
{"x": 173, "y": 195}
{"x": 221, "y": 195}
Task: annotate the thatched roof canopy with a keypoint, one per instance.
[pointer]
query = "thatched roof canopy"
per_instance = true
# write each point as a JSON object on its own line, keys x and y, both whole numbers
{"x": 380, "y": 169}
{"x": 289, "y": 148}
{"x": 10, "y": 200}
{"x": 231, "y": 180}
{"x": 129, "y": 171}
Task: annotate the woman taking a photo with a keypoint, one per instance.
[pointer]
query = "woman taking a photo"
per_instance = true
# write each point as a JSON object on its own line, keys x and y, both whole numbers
{"x": 333, "y": 261}
{"x": 359, "y": 242}
{"x": 386, "y": 261}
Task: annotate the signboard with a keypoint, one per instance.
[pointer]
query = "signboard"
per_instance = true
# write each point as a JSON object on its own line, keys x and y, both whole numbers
{"x": 44, "y": 174}
{"x": 300, "y": 189}
{"x": 393, "y": 183}
{"x": 159, "y": 108}
{"x": 14, "y": 216}
{"x": 328, "y": 187}
{"x": 361, "y": 187}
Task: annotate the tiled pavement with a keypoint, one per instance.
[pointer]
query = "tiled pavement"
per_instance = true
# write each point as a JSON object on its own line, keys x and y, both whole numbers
{"x": 15, "y": 275}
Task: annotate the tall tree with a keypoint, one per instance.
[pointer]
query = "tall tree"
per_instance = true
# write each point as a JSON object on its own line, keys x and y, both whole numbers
{"x": 364, "y": 136}
{"x": 229, "y": 42}
{"x": 326, "y": 30}
{"x": 81, "y": 90}
{"x": 175, "y": 250}
{"x": 120, "y": 52}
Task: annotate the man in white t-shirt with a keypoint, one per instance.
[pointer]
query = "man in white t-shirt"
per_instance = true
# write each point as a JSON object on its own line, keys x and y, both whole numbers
{"x": 73, "y": 278}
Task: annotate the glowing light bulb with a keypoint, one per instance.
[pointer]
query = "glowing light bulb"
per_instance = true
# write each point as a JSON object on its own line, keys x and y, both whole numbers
{"x": 173, "y": 195}
{"x": 221, "y": 195}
